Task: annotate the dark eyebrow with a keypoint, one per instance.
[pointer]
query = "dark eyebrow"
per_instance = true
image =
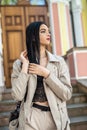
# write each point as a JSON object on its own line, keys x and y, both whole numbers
{"x": 42, "y": 29}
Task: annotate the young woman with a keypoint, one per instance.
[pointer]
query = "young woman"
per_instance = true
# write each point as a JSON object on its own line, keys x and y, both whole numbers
{"x": 46, "y": 80}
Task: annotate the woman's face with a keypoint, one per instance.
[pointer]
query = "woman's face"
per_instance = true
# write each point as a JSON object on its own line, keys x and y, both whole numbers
{"x": 44, "y": 35}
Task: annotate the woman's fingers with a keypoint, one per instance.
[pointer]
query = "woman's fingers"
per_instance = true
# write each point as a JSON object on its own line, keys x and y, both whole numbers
{"x": 35, "y": 69}
{"x": 23, "y": 56}
{"x": 34, "y": 65}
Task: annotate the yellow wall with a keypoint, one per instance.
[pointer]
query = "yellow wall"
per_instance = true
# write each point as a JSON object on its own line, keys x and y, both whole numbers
{"x": 84, "y": 20}
{"x": 63, "y": 27}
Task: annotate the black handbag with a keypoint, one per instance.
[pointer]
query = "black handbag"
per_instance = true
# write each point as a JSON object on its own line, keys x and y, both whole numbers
{"x": 15, "y": 114}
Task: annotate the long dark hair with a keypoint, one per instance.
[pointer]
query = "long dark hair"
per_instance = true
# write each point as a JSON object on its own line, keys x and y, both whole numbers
{"x": 33, "y": 42}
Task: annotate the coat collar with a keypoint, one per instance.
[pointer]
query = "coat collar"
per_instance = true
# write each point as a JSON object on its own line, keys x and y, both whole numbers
{"x": 52, "y": 57}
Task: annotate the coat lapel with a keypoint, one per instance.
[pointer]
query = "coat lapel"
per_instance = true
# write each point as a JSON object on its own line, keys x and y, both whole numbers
{"x": 31, "y": 88}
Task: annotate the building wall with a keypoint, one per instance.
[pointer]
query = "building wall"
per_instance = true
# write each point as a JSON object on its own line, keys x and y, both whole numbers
{"x": 60, "y": 26}
{"x": 77, "y": 56}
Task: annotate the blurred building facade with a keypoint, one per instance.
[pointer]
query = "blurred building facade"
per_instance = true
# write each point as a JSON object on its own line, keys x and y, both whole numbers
{"x": 68, "y": 23}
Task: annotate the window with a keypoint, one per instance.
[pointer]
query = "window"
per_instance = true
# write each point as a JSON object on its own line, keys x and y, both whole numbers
{"x": 37, "y": 2}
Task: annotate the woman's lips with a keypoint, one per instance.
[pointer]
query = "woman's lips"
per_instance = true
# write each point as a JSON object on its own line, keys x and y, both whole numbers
{"x": 48, "y": 39}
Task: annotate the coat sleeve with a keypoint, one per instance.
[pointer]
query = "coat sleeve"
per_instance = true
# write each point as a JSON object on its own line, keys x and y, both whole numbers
{"x": 60, "y": 85}
{"x": 19, "y": 82}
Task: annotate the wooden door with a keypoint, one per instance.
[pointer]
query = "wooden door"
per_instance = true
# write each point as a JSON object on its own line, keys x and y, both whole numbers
{"x": 14, "y": 21}
{"x": 35, "y": 13}
{"x": 13, "y": 27}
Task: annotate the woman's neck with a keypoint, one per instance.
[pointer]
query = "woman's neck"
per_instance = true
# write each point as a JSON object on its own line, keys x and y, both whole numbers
{"x": 43, "y": 57}
{"x": 42, "y": 52}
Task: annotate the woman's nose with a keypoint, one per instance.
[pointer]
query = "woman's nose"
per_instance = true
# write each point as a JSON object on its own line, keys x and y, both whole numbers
{"x": 48, "y": 33}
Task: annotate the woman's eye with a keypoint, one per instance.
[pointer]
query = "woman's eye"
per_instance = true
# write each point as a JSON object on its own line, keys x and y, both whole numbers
{"x": 42, "y": 32}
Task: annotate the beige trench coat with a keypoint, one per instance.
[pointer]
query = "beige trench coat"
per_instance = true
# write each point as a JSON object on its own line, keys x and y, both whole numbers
{"x": 57, "y": 87}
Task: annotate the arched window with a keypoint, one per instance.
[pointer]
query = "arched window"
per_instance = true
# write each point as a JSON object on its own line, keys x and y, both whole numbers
{"x": 37, "y": 2}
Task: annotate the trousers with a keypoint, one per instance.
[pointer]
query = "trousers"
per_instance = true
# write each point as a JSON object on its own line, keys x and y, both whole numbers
{"x": 40, "y": 120}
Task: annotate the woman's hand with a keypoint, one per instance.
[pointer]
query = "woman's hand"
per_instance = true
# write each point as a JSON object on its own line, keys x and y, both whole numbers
{"x": 23, "y": 57}
{"x": 25, "y": 61}
{"x": 38, "y": 70}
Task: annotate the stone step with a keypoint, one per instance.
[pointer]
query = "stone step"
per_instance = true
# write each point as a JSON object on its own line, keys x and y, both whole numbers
{"x": 77, "y": 109}
{"x": 6, "y": 95}
{"x": 75, "y": 89}
{"x": 78, "y": 98}
{"x": 4, "y": 128}
{"x": 78, "y": 123}
{"x": 7, "y": 105}
{"x": 4, "y": 118}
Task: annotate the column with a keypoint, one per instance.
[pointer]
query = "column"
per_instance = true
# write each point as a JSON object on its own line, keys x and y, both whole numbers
{"x": 60, "y": 25}
{"x": 76, "y": 10}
